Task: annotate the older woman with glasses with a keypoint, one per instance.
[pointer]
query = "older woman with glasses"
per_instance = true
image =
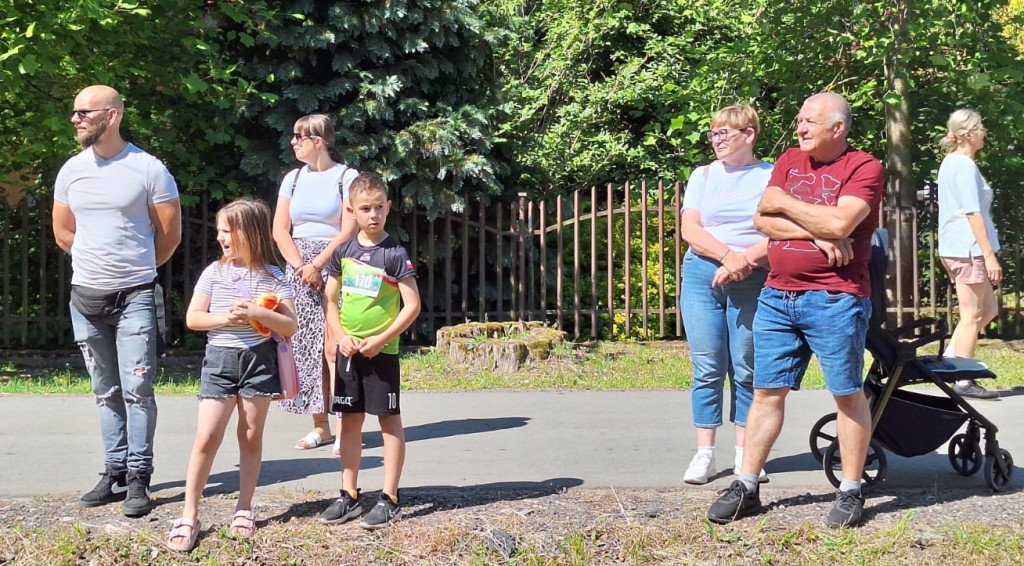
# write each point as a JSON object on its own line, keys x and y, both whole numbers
{"x": 723, "y": 272}
{"x": 309, "y": 223}
{"x": 968, "y": 240}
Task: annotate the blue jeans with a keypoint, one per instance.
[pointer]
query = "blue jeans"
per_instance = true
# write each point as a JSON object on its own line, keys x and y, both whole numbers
{"x": 120, "y": 355}
{"x": 719, "y": 330}
{"x": 791, "y": 325}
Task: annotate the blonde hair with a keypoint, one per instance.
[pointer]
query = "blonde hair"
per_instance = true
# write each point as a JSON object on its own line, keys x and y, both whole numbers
{"x": 321, "y": 126}
{"x": 251, "y": 239}
{"x": 739, "y": 116}
{"x": 367, "y": 182}
{"x": 961, "y": 123}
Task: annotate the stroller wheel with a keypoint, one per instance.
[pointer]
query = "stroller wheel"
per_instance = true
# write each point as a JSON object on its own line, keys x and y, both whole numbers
{"x": 875, "y": 465}
{"x": 823, "y": 433}
{"x": 999, "y": 470}
{"x": 965, "y": 454}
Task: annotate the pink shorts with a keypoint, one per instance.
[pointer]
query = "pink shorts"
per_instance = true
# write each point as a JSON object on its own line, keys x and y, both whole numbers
{"x": 966, "y": 270}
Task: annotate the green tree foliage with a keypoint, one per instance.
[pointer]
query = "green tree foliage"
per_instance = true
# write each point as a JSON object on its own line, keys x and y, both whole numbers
{"x": 406, "y": 82}
{"x": 609, "y": 90}
{"x": 181, "y": 95}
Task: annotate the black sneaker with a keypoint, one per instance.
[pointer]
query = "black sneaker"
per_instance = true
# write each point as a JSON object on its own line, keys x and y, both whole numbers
{"x": 734, "y": 503}
{"x": 138, "y": 502}
{"x": 847, "y": 510}
{"x": 343, "y": 509}
{"x": 113, "y": 487}
{"x": 975, "y": 391}
{"x": 382, "y": 515}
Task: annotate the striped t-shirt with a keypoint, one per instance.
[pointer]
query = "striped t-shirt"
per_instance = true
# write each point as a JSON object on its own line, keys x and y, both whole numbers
{"x": 218, "y": 281}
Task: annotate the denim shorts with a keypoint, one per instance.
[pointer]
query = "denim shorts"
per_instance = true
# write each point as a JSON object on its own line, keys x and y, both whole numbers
{"x": 791, "y": 325}
{"x": 247, "y": 372}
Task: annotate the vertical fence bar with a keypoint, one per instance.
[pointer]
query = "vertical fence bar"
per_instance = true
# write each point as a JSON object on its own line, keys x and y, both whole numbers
{"x": 531, "y": 278}
{"x": 559, "y": 290}
{"x": 678, "y": 241}
{"x": 627, "y": 246}
{"x": 500, "y": 264}
{"x": 7, "y": 277}
{"x": 576, "y": 262}
{"x": 464, "y": 247}
{"x": 610, "y": 251}
{"x": 593, "y": 262}
{"x": 481, "y": 277}
{"x": 512, "y": 269}
{"x": 432, "y": 258}
{"x": 542, "y": 227}
{"x": 898, "y": 237}
{"x": 449, "y": 272}
{"x": 24, "y": 271}
{"x": 1017, "y": 286}
{"x": 916, "y": 263}
{"x": 43, "y": 280}
{"x": 521, "y": 234}
{"x": 204, "y": 231}
{"x": 643, "y": 258}
{"x": 933, "y": 289}
{"x": 417, "y": 254}
{"x": 661, "y": 259}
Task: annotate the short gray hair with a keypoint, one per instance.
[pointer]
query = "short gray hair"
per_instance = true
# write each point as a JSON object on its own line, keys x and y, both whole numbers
{"x": 838, "y": 108}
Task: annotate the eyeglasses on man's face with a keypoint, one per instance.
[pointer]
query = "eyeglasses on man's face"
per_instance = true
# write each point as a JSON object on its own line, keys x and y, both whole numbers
{"x": 83, "y": 114}
{"x": 724, "y": 134}
{"x": 299, "y": 138}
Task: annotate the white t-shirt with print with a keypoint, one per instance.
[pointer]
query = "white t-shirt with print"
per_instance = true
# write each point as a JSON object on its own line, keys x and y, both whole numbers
{"x": 727, "y": 200}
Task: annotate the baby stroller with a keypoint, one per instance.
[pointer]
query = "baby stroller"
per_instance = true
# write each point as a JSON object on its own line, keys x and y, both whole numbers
{"x": 905, "y": 422}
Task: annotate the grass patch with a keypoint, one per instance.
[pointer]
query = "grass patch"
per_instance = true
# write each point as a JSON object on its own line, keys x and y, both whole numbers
{"x": 586, "y": 366}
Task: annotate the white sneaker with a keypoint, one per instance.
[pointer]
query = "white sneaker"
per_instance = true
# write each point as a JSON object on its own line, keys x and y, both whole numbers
{"x": 761, "y": 477}
{"x": 701, "y": 468}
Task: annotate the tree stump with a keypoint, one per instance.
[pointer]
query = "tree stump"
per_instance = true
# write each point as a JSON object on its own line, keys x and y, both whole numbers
{"x": 499, "y": 346}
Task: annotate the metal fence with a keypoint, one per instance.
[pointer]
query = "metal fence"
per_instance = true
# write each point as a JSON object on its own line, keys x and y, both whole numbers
{"x": 598, "y": 263}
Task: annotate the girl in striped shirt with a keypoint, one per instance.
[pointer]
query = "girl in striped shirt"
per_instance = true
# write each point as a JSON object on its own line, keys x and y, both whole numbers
{"x": 240, "y": 367}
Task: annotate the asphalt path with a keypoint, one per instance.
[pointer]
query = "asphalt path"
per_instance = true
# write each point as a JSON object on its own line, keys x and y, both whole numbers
{"x": 50, "y": 445}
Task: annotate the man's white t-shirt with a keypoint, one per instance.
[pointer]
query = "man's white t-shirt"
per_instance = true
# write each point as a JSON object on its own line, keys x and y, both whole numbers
{"x": 114, "y": 245}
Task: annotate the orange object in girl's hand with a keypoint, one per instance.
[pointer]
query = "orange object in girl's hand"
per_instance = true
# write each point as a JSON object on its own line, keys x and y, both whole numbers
{"x": 268, "y": 301}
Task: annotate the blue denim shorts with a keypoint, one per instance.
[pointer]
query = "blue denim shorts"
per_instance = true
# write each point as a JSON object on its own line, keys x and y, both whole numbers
{"x": 791, "y": 325}
{"x": 248, "y": 372}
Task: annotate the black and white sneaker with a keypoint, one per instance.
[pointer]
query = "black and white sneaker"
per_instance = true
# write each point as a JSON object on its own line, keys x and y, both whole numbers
{"x": 138, "y": 502}
{"x": 112, "y": 487}
{"x": 848, "y": 509}
{"x": 343, "y": 509}
{"x": 382, "y": 515}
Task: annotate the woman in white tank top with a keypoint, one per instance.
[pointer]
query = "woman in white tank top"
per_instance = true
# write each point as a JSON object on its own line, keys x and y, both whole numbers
{"x": 309, "y": 223}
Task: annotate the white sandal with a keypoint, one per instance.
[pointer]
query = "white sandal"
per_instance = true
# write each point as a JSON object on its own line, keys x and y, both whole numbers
{"x": 312, "y": 440}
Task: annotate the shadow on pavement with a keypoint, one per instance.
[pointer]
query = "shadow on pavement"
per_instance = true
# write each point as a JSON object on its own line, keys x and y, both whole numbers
{"x": 424, "y": 500}
{"x": 280, "y": 471}
{"x": 444, "y": 429}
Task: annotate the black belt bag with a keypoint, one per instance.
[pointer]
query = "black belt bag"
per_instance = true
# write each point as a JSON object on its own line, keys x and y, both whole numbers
{"x": 103, "y": 303}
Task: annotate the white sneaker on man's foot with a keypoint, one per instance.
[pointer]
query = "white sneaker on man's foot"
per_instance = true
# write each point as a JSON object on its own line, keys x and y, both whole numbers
{"x": 701, "y": 468}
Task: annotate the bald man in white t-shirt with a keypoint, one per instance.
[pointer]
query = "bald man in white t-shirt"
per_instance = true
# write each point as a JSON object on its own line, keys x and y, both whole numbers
{"x": 116, "y": 211}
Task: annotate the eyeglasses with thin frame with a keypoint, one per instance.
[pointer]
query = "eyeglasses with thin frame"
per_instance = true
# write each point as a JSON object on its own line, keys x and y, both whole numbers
{"x": 82, "y": 114}
{"x": 303, "y": 137}
{"x": 725, "y": 134}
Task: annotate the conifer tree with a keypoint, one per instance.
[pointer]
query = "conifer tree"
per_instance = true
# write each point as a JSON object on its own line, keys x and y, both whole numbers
{"x": 406, "y": 82}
